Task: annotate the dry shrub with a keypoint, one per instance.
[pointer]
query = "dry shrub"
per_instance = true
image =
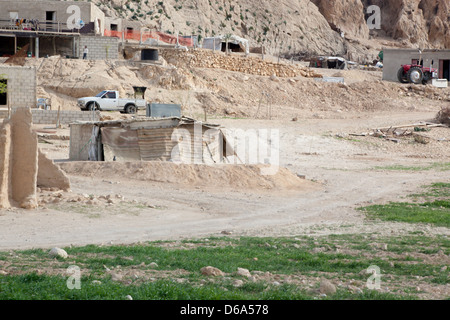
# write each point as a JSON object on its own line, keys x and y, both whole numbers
{"x": 443, "y": 116}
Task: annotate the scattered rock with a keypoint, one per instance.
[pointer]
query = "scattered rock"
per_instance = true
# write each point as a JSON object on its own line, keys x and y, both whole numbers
{"x": 238, "y": 283}
{"x": 211, "y": 271}
{"x": 327, "y": 287}
{"x": 116, "y": 276}
{"x": 243, "y": 272}
{"x": 128, "y": 297}
{"x": 153, "y": 265}
{"x": 274, "y": 77}
{"x": 58, "y": 253}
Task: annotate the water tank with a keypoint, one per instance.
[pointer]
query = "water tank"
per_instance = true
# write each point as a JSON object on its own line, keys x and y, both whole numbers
{"x": 149, "y": 54}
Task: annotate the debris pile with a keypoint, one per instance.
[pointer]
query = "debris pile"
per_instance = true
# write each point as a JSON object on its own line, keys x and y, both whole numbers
{"x": 443, "y": 116}
{"x": 250, "y": 65}
{"x": 395, "y": 133}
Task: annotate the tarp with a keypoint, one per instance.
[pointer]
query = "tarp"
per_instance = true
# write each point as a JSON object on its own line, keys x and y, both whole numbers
{"x": 120, "y": 144}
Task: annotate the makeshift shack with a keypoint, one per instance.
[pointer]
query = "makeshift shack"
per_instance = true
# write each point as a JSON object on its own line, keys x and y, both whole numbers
{"x": 328, "y": 62}
{"x": 219, "y": 43}
{"x": 149, "y": 139}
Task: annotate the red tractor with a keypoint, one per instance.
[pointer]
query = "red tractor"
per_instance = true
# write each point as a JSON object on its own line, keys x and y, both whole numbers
{"x": 416, "y": 73}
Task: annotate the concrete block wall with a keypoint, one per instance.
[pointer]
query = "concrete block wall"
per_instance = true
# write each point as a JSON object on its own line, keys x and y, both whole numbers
{"x": 65, "y": 117}
{"x": 21, "y": 85}
{"x": 99, "y": 47}
{"x": 80, "y": 135}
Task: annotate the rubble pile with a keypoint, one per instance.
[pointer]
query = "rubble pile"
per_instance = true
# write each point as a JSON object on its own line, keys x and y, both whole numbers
{"x": 250, "y": 65}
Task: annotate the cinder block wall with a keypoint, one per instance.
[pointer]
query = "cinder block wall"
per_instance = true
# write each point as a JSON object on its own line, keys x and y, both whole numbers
{"x": 99, "y": 47}
{"x": 65, "y": 117}
{"x": 21, "y": 85}
{"x": 80, "y": 135}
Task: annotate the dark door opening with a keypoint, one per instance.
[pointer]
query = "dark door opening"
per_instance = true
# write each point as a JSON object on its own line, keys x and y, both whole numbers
{"x": 50, "y": 19}
{"x": 50, "y": 15}
{"x": 114, "y": 27}
{"x": 445, "y": 70}
{"x": 231, "y": 47}
{"x": 3, "y": 95}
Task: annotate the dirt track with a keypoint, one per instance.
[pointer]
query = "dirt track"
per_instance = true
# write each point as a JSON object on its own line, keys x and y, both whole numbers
{"x": 342, "y": 176}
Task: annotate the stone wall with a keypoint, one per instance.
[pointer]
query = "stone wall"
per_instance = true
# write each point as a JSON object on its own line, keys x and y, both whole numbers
{"x": 100, "y": 48}
{"x": 201, "y": 58}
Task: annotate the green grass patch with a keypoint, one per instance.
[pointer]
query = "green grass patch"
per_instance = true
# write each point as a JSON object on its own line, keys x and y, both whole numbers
{"x": 439, "y": 166}
{"x": 434, "y": 209}
{"x": 429, "y": 213}
{"x": 284, "y": 268}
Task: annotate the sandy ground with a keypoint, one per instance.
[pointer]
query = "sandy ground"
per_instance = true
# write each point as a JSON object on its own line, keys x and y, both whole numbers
{"x": 342, "y": 173}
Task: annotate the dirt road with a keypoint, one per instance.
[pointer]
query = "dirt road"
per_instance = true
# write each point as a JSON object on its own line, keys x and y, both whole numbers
{"x": 342, "y": 173}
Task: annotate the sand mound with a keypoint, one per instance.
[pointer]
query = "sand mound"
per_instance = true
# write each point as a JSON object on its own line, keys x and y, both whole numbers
{"x": 213, "y": 176}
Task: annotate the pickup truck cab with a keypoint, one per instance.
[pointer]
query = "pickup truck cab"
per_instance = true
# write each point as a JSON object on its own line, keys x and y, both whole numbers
{"x": 108, "y": 100}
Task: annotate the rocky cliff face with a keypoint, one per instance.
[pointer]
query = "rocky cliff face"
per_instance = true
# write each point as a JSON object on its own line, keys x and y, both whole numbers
{"x": 419, "y": 23}
{"x": 298, "y": 26}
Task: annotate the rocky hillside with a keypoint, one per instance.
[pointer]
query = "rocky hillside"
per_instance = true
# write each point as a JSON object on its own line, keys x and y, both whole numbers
{"x": 298, "y": 27}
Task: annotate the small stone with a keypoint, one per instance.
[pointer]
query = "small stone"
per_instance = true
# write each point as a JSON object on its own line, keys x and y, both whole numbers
{"x": 153, "y": 265}
{"x": 238, "y": 283}
{"x": 128, "y": 297}
{"x": 211, "y": 271}
{"x": 96, "y": 282}
{"x": 116, "y": 276}
{"x": 58, "y": 253}
{"x": 243, "y": 272}
{"x": 327, "y": 287}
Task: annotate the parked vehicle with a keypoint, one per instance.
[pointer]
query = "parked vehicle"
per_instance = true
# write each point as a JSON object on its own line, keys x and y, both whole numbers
{"x": 416, "y": 73}
{"x": 108, "y": 100}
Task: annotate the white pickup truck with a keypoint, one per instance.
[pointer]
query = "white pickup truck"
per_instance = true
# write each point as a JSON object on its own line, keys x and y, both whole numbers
{"x": 108, "y": 100}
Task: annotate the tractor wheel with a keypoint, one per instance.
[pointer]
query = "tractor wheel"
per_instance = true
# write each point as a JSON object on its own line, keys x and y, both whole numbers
{"x": 401, "y": 75}
{"x": 415, "y": 75}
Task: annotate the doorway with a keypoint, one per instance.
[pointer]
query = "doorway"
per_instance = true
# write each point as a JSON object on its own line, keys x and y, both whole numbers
{"x": 3, "y": 95}
{"x": 444, "y": 69}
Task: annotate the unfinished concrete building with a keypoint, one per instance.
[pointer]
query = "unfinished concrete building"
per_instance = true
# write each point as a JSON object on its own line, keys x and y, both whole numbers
{"x": 47, "y": 27}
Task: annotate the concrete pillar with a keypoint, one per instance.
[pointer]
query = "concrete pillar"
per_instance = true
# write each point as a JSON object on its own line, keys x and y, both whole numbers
{"x": 36, "y": 49}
